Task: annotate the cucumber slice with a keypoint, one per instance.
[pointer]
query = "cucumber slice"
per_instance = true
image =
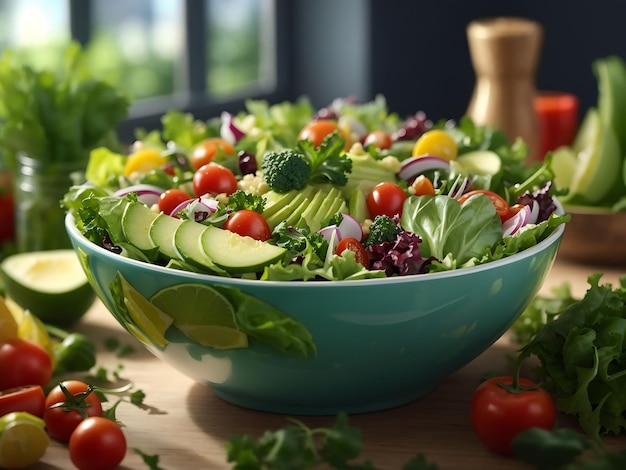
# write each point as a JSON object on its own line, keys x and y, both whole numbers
{"x": 482, "y": 162}
{"x": 136, "y": 224}
{"x": 238, "y": 254}
{"x": 187, "y": 242}
{"x": 161, "y": 233}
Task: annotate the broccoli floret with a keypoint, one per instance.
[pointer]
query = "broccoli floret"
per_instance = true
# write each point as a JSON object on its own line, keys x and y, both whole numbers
{"x": 285, "y": 170}
{"x": 383, "y": 229}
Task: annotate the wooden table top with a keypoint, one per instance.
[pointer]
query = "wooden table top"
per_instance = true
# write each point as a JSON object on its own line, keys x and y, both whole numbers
{"x": 187, "y": 425}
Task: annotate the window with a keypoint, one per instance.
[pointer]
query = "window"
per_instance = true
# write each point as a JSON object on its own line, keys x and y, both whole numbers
{"x": 197, "y": 55}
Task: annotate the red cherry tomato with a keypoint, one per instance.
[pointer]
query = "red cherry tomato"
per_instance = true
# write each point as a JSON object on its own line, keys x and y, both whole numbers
{"x": 214, "y": 179}
{"x": 499, "y": 415}
{"x": 249, "y": 223}
{"x": 206, "y": 151}
{"x": 317, "y": 130}
{"x": 502, "y": 207}
{"x": 28, "y": 398}
{"x": 64, "y": 411}
{"x": 385, "y": 199}
{"x": 97, "y": 444}
{"x": 171, "y": 198}
{"x": 23, "y": 363}
{"x": 379, "y": 139}
{"x": 352, "y": 244}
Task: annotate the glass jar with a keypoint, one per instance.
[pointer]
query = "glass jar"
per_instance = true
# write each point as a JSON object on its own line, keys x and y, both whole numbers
{"x": 38, "y": 190}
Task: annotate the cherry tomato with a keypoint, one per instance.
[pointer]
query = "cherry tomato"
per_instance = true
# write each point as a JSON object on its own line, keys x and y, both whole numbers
{"x": 28, "y": 398}
{"x": 23, "y": 363}
{"x": 437, "y": 143}
{"x": 385, "y": 199}
{"x": 249, "y": 223}
{"x": 213, "y": 179}
{"x": 97, "y": 444}
{"x": 422, "y": 186}
{"x": 379, "y": 138}
{"x": 171, "y": 198}
{"x": 66, "y": 409}
{"x": 206, "y": 151}
{"x": 502, "y": 207}
{"x": 498, "y": 415}
{"x": 352, "y": 244}
{"x": 315, "y": 131}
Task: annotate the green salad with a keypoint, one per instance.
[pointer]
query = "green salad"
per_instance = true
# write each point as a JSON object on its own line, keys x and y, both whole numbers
{"x": 287, "y": 192}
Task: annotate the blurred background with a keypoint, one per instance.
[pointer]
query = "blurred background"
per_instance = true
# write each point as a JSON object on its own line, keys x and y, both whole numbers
{"x": 206, "y": 56}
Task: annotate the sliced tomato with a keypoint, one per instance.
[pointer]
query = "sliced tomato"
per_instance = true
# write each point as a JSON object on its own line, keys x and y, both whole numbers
{"x": 29, "y": 398}
{"x": 502, "y": 207}
{"x": 352, "y": 244}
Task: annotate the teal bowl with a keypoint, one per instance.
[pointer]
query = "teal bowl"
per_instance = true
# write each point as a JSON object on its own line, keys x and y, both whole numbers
{"x": 379, "y": 343}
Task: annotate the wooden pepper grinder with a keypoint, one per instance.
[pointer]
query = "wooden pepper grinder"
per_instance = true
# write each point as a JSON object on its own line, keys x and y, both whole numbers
{"x": 505, "y": 54}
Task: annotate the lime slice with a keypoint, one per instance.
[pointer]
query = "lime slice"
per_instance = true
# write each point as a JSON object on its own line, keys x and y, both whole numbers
{"x": 33, "y": 329}
{"x": 8, "y": 325}
{"x": 148, "y": 318}
{"x": 203, "y": 314}
{"x": 217, "y": 337}
{"x": 23, "y": 440}
{"x": 51, "y": 284}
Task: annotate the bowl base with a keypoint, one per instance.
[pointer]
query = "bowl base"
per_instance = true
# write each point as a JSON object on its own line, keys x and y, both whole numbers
{"x": 320, "y": 409}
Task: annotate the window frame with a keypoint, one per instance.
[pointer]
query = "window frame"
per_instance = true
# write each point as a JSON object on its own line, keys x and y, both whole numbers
{"x": 146, "y": 113}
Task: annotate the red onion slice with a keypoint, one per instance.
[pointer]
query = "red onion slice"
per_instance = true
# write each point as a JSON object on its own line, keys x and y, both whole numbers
{"x": 228, "y": 131}
{"x": 350, "y": 227}
{"x": 146, "y": 193}
{"x": 513, "y": 224}
{"x": 414, "y": 166}
{"x": 196, "y": 209}
{"x": 331, "y": 235}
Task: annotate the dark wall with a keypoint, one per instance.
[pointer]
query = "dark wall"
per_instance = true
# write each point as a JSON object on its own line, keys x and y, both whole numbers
{"x": 416, "y": 54}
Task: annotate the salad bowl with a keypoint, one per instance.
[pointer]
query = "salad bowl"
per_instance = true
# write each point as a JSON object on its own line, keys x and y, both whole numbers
{"x": 354, "y": 345}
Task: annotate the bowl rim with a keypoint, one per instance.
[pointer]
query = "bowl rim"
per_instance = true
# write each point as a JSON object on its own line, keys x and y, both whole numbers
{"x": 461, "y": 272}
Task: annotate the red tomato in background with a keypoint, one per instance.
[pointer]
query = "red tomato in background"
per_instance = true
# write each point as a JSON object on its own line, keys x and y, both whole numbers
{"x": 385, "y": 199}
{"x": 499, "y": 415}
{"x": 97, "y": 444}
{"x": 23, "y": 363}
{"x": 7, "y": 208}
{"x": 206, "y": 151}
{"x": 28, "y": 398}
{"x": 249, "y": 223}
{"x": 317, "y": 130}
{"x": 352, "y": 244}
{"x": 502, "y": 207}
{"x": 62, "y": 420}
{"x": 379, "y": 138}
{"x": 214, "y": 179}
{"x": 171, "y": 198}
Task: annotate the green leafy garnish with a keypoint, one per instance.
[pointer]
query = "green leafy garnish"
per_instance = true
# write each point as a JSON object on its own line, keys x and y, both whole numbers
{"x": 328, "y": 162}
{"x": 582, "y": 355}
{"x": 299, "y": 446}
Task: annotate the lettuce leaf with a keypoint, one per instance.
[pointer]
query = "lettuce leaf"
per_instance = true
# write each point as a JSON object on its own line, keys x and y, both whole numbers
{"x": 448, "y": 227}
